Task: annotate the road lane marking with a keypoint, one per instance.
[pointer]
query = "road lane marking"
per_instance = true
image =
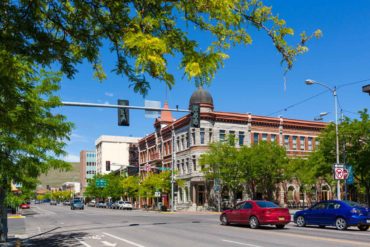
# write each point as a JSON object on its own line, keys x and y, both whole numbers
{"x": 124, "y": 240}
{"x": 82, "y": 242}
{"x": 106, "y": 243}
{"x": 234, "y": 242}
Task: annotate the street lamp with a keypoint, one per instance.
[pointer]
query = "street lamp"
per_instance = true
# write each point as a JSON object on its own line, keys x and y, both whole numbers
{"x": 334, "y": 92}
{"x": 366, "y": 89}
{"x": 320, "y": 117}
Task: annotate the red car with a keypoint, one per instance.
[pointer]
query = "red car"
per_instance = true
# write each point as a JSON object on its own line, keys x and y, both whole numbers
{"x": 256, "y": 213}
{"x": 24, "y": 206}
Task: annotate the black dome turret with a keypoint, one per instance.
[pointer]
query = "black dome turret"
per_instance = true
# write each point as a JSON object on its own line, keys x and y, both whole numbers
{"x": 201, "y": 96}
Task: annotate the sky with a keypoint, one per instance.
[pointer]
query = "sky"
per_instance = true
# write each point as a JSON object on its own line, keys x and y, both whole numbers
{"x": 252, "y": 79}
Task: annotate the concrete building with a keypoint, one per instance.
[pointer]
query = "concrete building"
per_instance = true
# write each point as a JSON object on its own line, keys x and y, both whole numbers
{"x": 73, "y": 187}
{"x": 87, "y": 167}
{"x": 113, "y": 152}
{"x": 176, "y": 143}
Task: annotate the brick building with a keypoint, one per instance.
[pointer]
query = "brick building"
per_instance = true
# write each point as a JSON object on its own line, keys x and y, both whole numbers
{"x": 176, "y": 142}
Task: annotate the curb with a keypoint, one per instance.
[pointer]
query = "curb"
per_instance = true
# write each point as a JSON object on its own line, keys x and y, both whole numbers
{"x": 16, "y": 217}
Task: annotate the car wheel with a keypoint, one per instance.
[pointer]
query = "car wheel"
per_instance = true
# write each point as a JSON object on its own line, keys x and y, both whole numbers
{"x": 224, "y": 220}
{"x": 341, "y": 224}
{"x": 253, "y": 222}
{"x": 280, "y": 226}
{"x": 301, "y": 221}
{"x": 363, "y": 227}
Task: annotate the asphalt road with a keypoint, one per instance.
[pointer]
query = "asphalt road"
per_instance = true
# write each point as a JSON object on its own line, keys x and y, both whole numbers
{"x": 95, "y": 227}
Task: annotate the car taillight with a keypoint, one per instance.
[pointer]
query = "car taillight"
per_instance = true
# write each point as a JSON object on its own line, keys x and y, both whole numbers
{"x": 356, "y": 211}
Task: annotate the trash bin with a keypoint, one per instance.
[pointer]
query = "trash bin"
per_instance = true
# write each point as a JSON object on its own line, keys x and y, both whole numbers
{"x": 159, "y": 205}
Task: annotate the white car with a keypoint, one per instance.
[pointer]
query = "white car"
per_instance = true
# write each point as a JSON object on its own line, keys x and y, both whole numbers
{"x": 125, "y": 205}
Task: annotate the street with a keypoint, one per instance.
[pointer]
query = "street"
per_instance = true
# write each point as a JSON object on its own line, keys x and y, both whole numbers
{"x": 59, "y": 226}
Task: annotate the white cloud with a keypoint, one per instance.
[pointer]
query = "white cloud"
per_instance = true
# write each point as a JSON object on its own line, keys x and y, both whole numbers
{"x": 72, "y": 158}
{"x": 108, "y": 94}
{"x": 75, "y": 138}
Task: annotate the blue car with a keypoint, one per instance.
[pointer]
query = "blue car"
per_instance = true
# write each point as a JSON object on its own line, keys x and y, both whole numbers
{"x": 340, "y": 214}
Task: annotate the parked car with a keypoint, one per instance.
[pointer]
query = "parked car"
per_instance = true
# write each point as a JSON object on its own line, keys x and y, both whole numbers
{"x": 92, "y": 203}
{"x": 101, "y": 204}
{"x": 115, "y": 205}
{"x": 123, "y": 205}
{"x": 77, "y": 204}
{"x": 340, "y": 214}
{"x": 256, "y": 213}
{"x": 126, "y": 205}
{"x": 53, "y": 202}
{"x": 24, "y": 206}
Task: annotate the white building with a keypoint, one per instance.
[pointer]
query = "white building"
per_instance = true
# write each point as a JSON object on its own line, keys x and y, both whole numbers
{"x": 74, "y": 187}
{"x": 112, "y": 152}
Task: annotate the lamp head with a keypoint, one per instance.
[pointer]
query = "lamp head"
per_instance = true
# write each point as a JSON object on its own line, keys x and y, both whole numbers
{"x": 323, "y": 114}
{"x": 309, "y": 82}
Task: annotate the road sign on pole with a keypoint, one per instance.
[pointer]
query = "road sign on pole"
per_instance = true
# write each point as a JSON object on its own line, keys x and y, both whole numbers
{"x": 339, "y": 173}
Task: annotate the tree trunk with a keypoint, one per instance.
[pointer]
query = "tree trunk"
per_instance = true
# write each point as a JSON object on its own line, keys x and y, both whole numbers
{"x": 367, "y": 185}
{"x": 3, "y": 213}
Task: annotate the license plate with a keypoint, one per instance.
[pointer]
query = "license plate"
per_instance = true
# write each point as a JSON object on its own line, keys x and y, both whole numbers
{"x": 368, "y": 221}
{"x": 281, "y": 218}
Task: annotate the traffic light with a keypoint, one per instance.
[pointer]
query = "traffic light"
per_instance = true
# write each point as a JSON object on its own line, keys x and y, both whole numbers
{"x": 195, "y": 116}
{"x": 123, "y": 113}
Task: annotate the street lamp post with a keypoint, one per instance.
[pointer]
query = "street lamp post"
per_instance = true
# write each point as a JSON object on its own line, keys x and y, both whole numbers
{"x": 334, "y": 92}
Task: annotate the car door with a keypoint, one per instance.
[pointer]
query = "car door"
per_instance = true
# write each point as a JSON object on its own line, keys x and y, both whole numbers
{"x": 329, "y": 213}
{"x": 234, "y": 215}
{"x": 314, "y": 214}
{"x": 245, "y": 212}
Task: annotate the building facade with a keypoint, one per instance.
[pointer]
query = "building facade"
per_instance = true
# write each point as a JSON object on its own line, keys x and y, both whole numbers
{"x": 176, "y": 144}
{"x": 87, "y": 167}
{"x": 113, "y": 152}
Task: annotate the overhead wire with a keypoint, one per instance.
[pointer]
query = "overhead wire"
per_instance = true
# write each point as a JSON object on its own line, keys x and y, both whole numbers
{"x": 316, "y": 95}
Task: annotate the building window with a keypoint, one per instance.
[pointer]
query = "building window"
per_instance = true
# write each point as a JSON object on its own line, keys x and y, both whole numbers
{"x": 107, "y": 165}
{"x": 309, "y": 143}
{"x": 178, "y": 143}
{"x": 294, "y": 142}
{"x": 264, "y": 137}
{"x": 202, "y": 135}
{"x": 210, "y": 136}
{"x": 255, "y": 138}
{"x": 187, "y": 165}
{"x": 222, "y": 135}
{"x": 317, "y": 143}
{"x": 193, "y": 137}
{"x": 302, "y": 142}
{"x": 187, "y": 140}
{"x": 273, "y": 138}
{"x": 194, "y": 163}
{"x": 286, "y": 142}
{"x": 241, "y": 138}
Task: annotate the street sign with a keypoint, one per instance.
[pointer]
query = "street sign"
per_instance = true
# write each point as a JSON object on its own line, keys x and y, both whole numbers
{"x": 350, "y": 178}
{"x": 345, "y": 174}
{"x": 157, "y": 194}
{"x": 339, "y": 173}
{"x": 100, "y": 182}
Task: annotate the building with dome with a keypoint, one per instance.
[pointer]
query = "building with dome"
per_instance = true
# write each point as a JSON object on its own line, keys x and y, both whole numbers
{"x": 176, "y": 143}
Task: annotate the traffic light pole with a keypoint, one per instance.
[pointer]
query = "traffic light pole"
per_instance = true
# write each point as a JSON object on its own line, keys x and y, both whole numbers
{"x": 82, "y": 104}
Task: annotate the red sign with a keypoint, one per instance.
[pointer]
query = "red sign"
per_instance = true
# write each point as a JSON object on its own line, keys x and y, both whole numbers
{"x": 339, "y": 174}
{"x": 345, "y": 174}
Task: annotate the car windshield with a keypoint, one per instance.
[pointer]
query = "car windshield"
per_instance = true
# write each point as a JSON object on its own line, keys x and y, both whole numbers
{"x": 353, "y": 204}
{"x": 266, "y": 204}
{"x": 76, "y": 201}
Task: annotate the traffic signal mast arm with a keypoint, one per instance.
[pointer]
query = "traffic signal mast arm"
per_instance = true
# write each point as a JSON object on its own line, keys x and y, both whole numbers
{"x": 81, "y": 104}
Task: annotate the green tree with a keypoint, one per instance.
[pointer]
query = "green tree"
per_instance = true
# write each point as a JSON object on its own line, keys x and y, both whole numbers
{"x": 142, "y": 35}
{"x": 130, "y": 186}
{"x": 31, "y": 135}
{"x": 155, "y": 182}
{"x": 223, "y": 162}
{"x": 264, "y": 165}
{"x": 259, "y": 167}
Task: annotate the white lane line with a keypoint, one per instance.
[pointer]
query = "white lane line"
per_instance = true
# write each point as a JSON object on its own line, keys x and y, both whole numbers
{"x": 124, "y": 240}
{"x": 82, "y": 242}
{"x": 233, "y": 242}
{"x": 106, "y": 243}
